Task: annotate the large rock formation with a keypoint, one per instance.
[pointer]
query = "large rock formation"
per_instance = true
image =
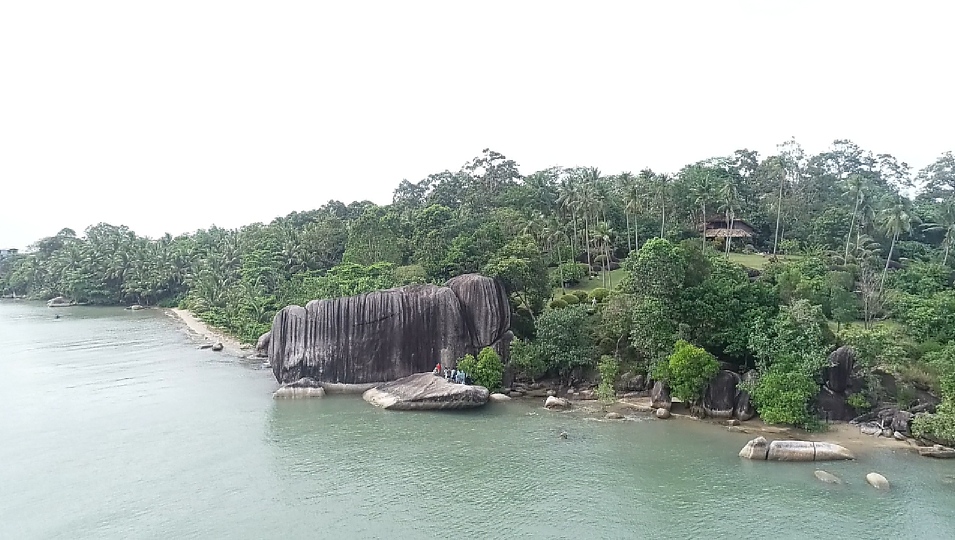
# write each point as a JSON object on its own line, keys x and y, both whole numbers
{"x": 720, "y": 395}
{"x": 424, "y": 391}
{"x": 760, "y": 449}
{"x": 744, "y": 404}
{"x": 386, "y": 335}
{"x": 660, "y": 396}
{"x": 841, "y": 362}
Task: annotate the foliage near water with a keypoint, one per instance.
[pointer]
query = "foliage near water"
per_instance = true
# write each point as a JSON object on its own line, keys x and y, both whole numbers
{"x": 486, "y": 370}
{"x": 687, "y": 371}
{"x": 850, "y": 246}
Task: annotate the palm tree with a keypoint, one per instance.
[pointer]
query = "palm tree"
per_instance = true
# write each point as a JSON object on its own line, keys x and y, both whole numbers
{"x": 895, "y": 220}
{"x": 567, "y": 200}
{"x": 855, "y": 189}
{"x": 701, "y": 188}
{"x": 633, "y": 202}
{"x": 945, "y": 224}
{"x": 729, "y": 195}
{"x": 603, "y": 239}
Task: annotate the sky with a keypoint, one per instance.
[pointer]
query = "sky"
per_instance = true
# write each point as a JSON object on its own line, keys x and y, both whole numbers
{"x": 173, "y": 116}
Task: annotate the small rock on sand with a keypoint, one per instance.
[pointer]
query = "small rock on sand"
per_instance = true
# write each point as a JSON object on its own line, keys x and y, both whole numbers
{"x": 614, "y": 416}
{"x": 662, "y": 413}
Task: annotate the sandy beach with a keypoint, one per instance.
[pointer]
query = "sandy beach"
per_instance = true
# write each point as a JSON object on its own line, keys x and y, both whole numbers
{"x": 207, "y": 335}
{"x": 842, "y": 433}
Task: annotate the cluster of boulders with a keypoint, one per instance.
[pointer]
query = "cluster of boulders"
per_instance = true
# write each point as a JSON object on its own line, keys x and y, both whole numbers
{"x": 891, "y": 422}
{"x": 722, "y": 397}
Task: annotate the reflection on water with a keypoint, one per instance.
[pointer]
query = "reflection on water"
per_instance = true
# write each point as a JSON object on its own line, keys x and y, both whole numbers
{"x": 116, "y": 426}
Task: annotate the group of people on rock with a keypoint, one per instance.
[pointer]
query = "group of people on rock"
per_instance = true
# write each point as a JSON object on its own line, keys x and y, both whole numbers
{"x": 451, "y": 375}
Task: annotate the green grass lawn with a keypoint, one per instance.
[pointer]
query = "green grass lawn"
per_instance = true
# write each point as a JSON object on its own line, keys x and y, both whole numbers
{"x": 757, "y": 261}
{"x": 593, "y": 283}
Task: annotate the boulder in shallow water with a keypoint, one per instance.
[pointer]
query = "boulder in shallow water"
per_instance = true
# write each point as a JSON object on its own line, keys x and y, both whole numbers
{"x": 757, "y": 448}
{"x": 553, "y": 402}
{"x": 662, "y": 413}
{"x": 499, "y": 397}
{"x": 302, "y": 388}
{"x": 937, "y": 451}
{"x": 426, "y": 391}
{"x": 826, "y": 451}
{"x": 877, "y": 481}
{"x": 613, "y": 416}
{"x": 827, "y": 477}
{"x": 217, "y": 346}
{"x": 791, "y": 451}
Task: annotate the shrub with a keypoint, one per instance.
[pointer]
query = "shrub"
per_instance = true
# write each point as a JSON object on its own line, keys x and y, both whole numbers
{"x": 468, "y": 364}
{"x": 413, "y": 274}
{"x": 564, "y": 339}
{"x": 526, "y": 360}
{"x": 557, "y": 304}
{"x": 609, "y": 369}
{"x": 570, "y": 299}
{"x": 570, "y": 272}
{"x": 600, "y": 294}
{"x": 782, "y": 397}
{"x": 687, "y": 371}
{"x": 486, "y": 371}
{"x": 858, "y": 402}
{"x": 581, "y": 295}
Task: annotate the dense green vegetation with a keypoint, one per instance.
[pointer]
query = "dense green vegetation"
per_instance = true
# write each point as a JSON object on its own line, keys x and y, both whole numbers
{"x": 850, "y": 247}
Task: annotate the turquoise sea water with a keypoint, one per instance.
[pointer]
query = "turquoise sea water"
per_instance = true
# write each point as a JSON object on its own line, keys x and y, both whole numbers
{"x": 114, "y": 425}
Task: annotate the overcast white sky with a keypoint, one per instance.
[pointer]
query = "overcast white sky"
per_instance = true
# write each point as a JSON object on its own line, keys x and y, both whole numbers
{"x": 172, "y": 116}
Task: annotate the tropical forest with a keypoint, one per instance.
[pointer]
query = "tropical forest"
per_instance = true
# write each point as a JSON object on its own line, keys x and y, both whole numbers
{"x": 767, "y": 263}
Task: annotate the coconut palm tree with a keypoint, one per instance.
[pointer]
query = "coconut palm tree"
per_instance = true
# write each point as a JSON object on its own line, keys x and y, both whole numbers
{"x": 568, "y": 201}
{"x": 946, "y": 225}
{"x": 855, "y": 188}
{"x": 702, "y": 188}
{"x": 603, "y": 238}
{"x": 729, "y": 197}
{"x": 896, "y": 220}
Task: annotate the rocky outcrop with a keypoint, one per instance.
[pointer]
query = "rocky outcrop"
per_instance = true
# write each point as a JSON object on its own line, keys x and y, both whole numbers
{"x": 720, "y": 395}
{"x": 262, "y": 345}
{"x": 902, "y": 422}
{"x": 761, "y": 449}
{"x": 60, "y": 301}
{"x": 387, "y": 335}
{"x": 744, "y": 404}
{"x": 660, "y": 396}
{"x": 425, "y": 391}
{"x": 302, "y": 388}
{"x": 841, "y": 362}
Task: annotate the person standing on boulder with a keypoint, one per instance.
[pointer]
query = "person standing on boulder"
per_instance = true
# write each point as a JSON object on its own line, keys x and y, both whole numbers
{"x": 437, "y": 369}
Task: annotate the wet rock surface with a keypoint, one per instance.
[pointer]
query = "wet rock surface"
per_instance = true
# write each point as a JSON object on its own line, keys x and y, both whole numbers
{"x": 425, "y": 391}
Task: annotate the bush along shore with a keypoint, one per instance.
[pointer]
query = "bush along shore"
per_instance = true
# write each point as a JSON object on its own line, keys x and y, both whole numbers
{"x": 742, "y": 273}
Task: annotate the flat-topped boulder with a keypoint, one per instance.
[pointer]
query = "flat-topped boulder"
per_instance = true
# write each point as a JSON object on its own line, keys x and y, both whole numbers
{"x": 426, "y": 391}
{"x": 302, "y": 388}
{"x": 761, "y": 449}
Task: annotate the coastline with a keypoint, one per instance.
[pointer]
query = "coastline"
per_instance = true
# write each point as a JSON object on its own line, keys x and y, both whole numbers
{"x": 842, "y": 433}
{"x": 205, "y": 333}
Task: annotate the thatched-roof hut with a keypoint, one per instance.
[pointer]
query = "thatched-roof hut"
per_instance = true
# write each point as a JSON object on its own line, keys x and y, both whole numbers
{"x": 720, "y": 228}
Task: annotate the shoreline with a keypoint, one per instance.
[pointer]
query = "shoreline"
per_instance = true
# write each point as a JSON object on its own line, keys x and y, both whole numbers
{"x": 200, "y": 331}
{"x": 841, "y": 433}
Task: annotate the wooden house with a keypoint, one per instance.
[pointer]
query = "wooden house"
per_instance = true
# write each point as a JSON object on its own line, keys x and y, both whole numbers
{"x": 720, "y": 228}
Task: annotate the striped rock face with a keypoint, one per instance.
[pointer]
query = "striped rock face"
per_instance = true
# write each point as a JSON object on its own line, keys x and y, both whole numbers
{"x": 386, "y": 335}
